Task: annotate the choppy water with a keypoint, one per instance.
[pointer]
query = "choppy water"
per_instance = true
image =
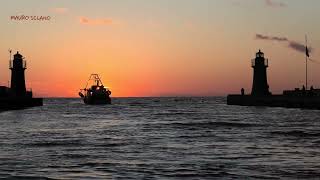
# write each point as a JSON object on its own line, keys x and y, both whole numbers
{"x": 159, "y": 138}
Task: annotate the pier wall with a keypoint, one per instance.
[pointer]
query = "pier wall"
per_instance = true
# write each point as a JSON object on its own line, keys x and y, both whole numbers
{"x": 19, "y": 103}
{"x": 275, "y": 101}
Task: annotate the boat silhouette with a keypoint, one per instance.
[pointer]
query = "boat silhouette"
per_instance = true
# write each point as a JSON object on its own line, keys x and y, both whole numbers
{"x": 97, "y": 93}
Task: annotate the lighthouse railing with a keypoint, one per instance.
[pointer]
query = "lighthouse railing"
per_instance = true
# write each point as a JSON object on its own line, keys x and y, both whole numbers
{"x": 265, "y": 62}
{"x": 24, "y": 64}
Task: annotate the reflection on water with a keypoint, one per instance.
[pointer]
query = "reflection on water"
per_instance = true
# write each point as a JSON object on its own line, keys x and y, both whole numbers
{"x": 162, "y": 138}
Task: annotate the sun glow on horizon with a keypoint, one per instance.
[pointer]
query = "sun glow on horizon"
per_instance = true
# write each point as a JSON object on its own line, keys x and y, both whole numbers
{"x": 159, "y": 48}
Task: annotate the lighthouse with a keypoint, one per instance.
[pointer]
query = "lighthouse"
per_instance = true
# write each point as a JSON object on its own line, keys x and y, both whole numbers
{"x": 260, "y": 85}
{"x": 17, "y": 66}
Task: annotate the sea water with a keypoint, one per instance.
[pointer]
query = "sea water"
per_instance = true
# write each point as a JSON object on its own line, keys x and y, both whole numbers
{"x": 159, "y": 138}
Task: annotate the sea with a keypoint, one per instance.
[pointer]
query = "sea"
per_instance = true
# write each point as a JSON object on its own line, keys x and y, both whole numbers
{"x": 159, "y": 138}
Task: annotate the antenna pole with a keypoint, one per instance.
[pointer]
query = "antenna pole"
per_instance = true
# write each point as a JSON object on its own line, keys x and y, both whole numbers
{"x": 10, "y": 58}
{"x": 306, "y": 63}
{"x": 9, "y": 63}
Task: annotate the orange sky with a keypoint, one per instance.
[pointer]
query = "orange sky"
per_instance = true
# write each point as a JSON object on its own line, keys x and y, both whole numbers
{"x": 163, "y": 48}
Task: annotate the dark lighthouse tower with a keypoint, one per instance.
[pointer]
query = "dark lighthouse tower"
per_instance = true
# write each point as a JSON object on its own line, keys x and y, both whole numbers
{"x": 17, "y": 66}
{"x": 260, "y": 85}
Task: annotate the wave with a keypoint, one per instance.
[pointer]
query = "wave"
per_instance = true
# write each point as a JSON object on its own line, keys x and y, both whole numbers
{"x": 57, "y": 143}
{"x": 114, "y": 144}
{"x": 29, "y": 177}
{"x": 213, "y": 124}
{"x": 297, "y": 133}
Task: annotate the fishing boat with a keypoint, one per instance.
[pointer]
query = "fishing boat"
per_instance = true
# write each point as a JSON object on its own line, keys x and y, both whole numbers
{"x": 97, "y": 93}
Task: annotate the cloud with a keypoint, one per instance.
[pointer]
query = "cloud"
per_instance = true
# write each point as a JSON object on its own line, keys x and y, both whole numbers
{"x": 273, "y": 38}
{"x": 294, "y": 45}
{"x": 272, "y": 3}
{"x": 98, "y": 21}
{"x": 59, "y": 10}
{"x": 299, "y": 47}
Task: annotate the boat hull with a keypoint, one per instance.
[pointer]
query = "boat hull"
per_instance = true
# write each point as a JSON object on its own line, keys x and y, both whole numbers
{"x": 93, "y": 101}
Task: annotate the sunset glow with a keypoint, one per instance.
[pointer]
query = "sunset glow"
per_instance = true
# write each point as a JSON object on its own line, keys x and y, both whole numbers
{"x": 160, "y": 47}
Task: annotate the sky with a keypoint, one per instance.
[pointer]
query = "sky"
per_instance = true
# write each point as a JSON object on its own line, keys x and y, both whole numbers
{"x": 144, "y": 48}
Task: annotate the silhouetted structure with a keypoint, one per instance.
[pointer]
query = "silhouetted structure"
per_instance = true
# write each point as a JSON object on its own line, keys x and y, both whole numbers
{"x": 242, "y": 91}
{"x": 17, "y": 97}
{"x": 18, "y": 84}
{"x": 260, "y": 85}
{"x": 97, "y": 93}
{"x": 261, "y": 96}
